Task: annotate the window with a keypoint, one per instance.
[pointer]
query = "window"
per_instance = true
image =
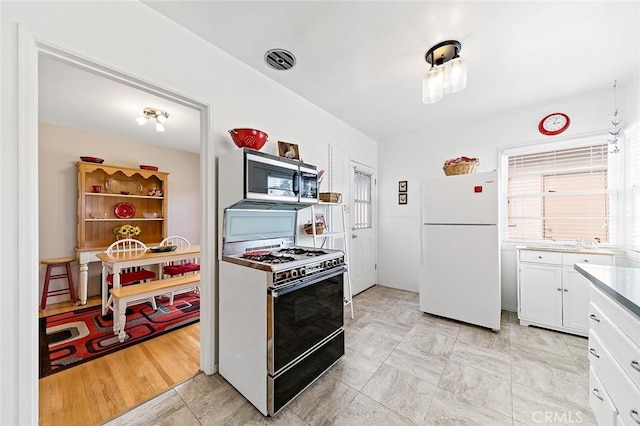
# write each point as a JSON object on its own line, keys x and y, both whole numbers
{"x": 560, "y": 193}
{"x": 362, "y": 200}
{"x": 633, "y": 188}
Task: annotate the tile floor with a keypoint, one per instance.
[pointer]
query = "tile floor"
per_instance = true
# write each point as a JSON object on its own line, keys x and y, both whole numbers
{"x": 403, "y": 367}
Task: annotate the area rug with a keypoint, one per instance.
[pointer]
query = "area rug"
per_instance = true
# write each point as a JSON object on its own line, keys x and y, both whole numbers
{"x": 73, "y": 338}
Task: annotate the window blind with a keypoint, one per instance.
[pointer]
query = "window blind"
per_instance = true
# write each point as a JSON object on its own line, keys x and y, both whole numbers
{"x": 633, "y": 198}
{"x": 560, "y": 195}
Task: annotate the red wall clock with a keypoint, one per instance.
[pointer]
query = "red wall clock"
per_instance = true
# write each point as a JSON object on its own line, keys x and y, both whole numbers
{"x": 554, "y": 124}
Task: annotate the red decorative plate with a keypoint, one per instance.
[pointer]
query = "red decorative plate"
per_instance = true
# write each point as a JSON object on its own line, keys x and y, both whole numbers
{"x": 124, "y": 210}
{"x": 92, "y": 159}
{"x": 152, "y": 168}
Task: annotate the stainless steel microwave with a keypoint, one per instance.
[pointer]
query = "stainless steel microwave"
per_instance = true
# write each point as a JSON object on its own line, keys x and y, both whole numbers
{"x": 268, "y": 181}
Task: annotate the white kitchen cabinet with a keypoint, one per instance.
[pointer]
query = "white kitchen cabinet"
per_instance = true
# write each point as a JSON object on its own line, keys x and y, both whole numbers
{"x": 575, "y": 302}
{"x": 539, "y": 300}
{"x": 614, "y": 344}
{"x": 551, "y": 293}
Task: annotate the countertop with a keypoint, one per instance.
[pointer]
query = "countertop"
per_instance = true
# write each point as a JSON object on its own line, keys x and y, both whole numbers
{"x": 568, "y": 250}
{"x": 619, "y": 283}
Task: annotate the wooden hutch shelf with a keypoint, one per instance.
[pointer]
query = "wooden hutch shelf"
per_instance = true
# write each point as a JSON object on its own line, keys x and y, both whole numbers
{"x": 96, "y": 210}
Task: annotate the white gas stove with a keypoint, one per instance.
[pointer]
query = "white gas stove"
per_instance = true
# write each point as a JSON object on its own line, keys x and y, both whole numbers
{"x": 289, "y": 264}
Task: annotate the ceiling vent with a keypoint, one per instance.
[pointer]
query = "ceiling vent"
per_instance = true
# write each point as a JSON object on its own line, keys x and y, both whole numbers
{"x": 280, "y": 59}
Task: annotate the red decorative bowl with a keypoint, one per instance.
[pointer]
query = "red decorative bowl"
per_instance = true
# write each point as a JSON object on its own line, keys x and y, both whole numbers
{"x": 92, "y": 159}
{"x": 248, "y": 138}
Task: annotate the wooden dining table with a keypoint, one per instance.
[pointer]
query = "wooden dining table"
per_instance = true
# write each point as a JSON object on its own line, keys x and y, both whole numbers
{"x": 122, "y": 260}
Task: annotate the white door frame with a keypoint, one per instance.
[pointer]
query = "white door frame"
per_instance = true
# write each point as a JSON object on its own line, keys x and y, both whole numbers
{"x": 30, "y": 45}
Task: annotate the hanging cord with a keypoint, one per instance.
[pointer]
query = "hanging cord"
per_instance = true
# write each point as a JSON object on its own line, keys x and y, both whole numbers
{"x": 615, "y": 120}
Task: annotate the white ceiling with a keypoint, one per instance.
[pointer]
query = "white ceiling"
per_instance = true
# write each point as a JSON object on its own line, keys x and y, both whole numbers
{"x": 73, "y": 97}
{"x": 363, "y": 61}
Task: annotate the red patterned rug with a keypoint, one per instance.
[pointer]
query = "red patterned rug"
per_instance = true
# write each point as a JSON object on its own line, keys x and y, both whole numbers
{"x": 73, "y": 338}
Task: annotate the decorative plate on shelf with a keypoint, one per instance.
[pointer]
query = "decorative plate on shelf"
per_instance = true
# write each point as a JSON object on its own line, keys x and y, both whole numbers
{"x": 162, "y": 249}
{"x": 92, "y": 160}
{"x": 124, "y": 210}
{"x": 120, "y": 186}
{"x": 146, "y": 167}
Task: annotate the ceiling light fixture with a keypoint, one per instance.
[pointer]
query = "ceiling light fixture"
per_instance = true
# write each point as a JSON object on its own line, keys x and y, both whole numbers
{"x": 158, "y": 115}
{"x": 448, "y": 73}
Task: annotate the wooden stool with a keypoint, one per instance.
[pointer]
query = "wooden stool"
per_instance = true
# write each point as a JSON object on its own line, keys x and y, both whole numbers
{"x": 63, "y": 262}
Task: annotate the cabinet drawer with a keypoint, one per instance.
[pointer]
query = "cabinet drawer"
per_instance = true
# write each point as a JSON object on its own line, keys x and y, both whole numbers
{"x": 627, "y": 354}
{"x": 549, "y": 257}
{"x": 593, "y": 259}
{"x": 601, "y": 405}
{"x": 627, "y": 322}
{"x": 624, "y": 394}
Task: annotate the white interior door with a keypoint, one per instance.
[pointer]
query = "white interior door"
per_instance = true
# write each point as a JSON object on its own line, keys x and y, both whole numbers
{"x": 363, "y": 247}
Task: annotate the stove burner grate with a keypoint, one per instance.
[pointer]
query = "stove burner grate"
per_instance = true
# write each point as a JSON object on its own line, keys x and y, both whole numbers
{"x": 304, "y": 252}
{"x": 268, "y": 258}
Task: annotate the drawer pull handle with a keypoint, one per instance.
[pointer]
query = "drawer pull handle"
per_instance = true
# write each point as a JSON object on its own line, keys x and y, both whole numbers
{"x": 635, "y": 416}
{"x": 594, "y": 353}
{"x": 539, "y": 257}
{"x": 559, "y": 289}
{"x": 586, "y": 261}
{"x": 596, "y": 392}
{"x": 566, "y": 290}
{"x": 594, "y": 317}
{"x": 635, "y": 365}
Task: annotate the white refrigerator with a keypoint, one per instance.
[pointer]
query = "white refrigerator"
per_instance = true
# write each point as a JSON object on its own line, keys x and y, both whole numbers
{"x": 460, "y": 269}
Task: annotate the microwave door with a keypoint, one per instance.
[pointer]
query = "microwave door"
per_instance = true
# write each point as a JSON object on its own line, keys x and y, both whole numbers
{"x": 308, "y": 185}
{"x": 271, "y": 180}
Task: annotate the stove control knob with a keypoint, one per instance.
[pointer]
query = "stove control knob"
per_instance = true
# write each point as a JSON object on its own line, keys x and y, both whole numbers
{"x": 327, "y": 264}
{"x": 334, "y": 262}
{"x": 294, "y": 273}
{"x": 340, "y": 261}
{"x": 303, "y": 271}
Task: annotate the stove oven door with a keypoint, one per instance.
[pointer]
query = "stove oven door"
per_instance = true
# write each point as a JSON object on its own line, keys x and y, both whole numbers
{"x": 302, "y": 316}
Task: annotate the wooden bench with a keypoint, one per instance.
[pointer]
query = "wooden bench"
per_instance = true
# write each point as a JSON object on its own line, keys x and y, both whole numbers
{"x": 123, "y": 295}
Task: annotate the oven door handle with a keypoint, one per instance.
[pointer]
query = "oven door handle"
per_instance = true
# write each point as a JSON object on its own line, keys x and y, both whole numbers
{"x": 296, "y": 183}
{"x": 275, "y": 293}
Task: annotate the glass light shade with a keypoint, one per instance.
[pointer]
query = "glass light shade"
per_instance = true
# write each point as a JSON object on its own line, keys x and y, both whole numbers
{"x": 141, "y": 120}
{"x": 455, "y": 75}
{"x": 432, "y": 90}
{"x": 159, "y": 127}
{"x": 161, "y": 118}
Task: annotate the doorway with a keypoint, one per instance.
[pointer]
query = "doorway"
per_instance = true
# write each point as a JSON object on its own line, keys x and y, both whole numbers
{"x": 31, "y": 48}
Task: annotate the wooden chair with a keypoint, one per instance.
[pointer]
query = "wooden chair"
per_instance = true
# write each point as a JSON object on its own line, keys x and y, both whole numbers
{"x": 181, "y": 267}
{"x": 131, "y": 275}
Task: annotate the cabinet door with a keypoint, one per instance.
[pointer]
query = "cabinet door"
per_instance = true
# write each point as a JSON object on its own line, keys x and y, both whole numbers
{"x": 540, "y": 291}
{"x": 575, "y": 300}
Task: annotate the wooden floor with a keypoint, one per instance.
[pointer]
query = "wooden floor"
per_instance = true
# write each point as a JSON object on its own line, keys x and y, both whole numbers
{"x": 99, "y": 390}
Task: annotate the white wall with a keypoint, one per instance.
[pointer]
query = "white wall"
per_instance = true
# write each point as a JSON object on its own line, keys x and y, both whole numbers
{"x": 59, "y": 149}
{"x": 116, "y": 34}
{"x": 415, "y": 157}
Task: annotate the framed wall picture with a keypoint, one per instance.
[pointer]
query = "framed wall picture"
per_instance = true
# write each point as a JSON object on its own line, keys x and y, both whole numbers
{"x": 402, "y": 186}
{"x": 288, "y": 150}
{"x": 402, "y": 198}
